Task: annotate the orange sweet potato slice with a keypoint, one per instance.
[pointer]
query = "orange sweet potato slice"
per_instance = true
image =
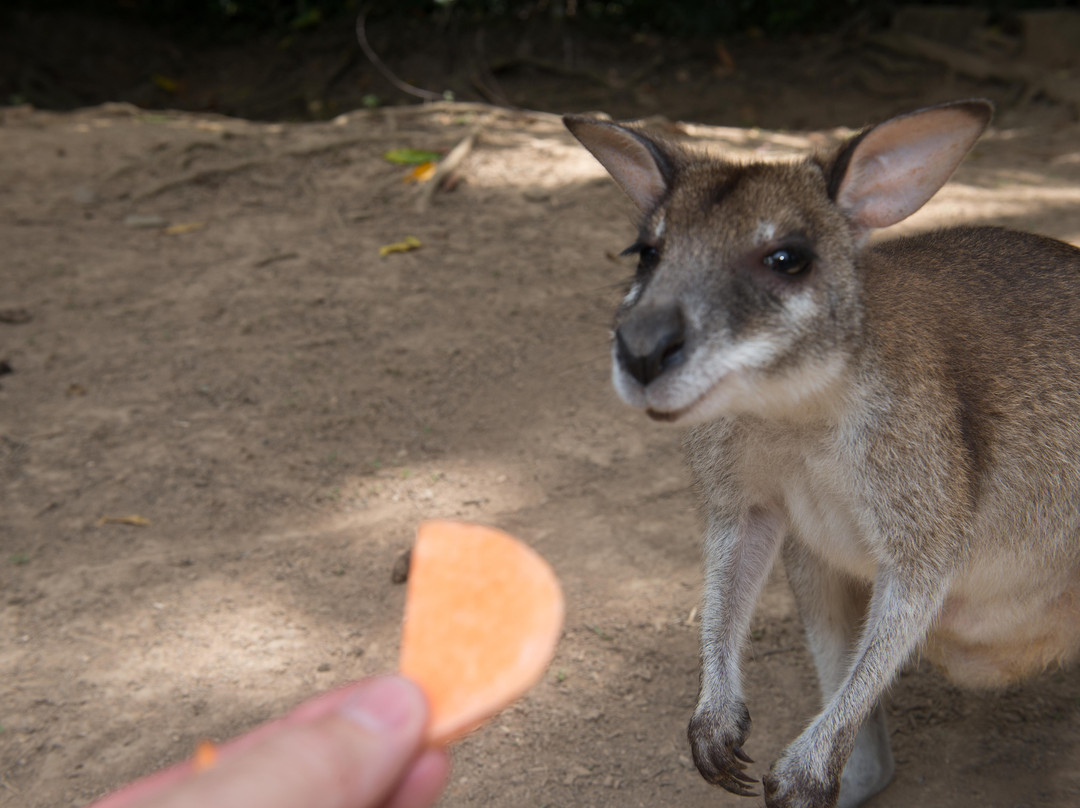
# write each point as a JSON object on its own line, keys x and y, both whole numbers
{"x": 483, "y": 613}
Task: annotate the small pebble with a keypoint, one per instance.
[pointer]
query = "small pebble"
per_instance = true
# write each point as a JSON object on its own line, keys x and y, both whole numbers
{"x": 84, "y": 195}
{"x": 400, "y": 573}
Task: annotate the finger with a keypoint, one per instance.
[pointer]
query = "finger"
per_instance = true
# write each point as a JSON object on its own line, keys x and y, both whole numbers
{"x": 317, "y": 707}
{"x": 146, "y": 787}
{"x": 322, "y": 705}
{"x": 166, "y": 778}
{"x": 353, "y": 756}
{"x": 424, "y": 782}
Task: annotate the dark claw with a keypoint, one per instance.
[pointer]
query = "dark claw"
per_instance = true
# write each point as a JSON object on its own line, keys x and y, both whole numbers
{"x": 718, "y": 754}
{"x": 728, "y": 773}
{"x": 736, "y": 788}
{"x": 743, "y": 777}
{"x": 769, "y": 785}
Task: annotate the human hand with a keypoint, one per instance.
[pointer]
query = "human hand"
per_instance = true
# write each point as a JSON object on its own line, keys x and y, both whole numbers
{"x": 357, "y": 747}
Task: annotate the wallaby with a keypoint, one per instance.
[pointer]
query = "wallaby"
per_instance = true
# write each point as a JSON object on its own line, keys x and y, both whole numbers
{"x": 899, "y": 421}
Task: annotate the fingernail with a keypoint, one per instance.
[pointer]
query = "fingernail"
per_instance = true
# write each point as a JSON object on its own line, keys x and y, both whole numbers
{"x": 389, "y": 703}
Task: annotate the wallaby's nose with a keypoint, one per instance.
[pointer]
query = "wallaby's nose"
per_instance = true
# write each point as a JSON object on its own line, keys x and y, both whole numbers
{"x": 651, "y": 342}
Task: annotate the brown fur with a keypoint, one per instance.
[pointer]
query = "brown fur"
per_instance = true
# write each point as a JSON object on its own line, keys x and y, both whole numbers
{"x": 901, "y": 419}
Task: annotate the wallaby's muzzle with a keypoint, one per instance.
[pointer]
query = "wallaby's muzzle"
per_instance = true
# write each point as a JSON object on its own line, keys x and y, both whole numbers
{"x": 651, "y": 342}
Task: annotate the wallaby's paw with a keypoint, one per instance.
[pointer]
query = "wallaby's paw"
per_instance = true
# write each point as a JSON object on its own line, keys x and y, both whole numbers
{"x": 789, "y": 785}
{"x": 716, "y": 741}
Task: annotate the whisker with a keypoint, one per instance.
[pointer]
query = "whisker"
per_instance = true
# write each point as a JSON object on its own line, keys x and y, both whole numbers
{"x": 607, "y": 287}
{"x": 591, "y": 362}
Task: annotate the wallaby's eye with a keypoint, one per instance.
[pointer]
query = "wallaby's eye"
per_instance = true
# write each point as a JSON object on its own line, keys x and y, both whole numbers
{"x": 790, "y": 261}
{"x": 648, "y": 257}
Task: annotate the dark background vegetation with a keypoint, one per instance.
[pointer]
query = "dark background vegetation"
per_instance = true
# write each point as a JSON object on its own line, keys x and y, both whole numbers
{"x": 222, "y": 19}
{"x": 299, "y": 59}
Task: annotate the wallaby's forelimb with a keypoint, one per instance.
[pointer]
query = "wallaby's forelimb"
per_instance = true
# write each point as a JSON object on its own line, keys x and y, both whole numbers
{"x": 739, "y": 550}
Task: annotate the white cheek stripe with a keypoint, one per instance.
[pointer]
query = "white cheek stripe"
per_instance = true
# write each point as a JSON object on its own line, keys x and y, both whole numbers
{"x": 801, "y": 308}
{"x": 699, "y": 377}
{"x": 752, "y": 353}
{"x": 696, "y": 379}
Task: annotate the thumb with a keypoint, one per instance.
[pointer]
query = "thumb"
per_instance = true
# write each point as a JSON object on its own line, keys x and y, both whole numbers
{"x": 352, "y": 757}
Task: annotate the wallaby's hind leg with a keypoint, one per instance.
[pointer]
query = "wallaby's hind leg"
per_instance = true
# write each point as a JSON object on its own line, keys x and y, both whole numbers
{"x": 832, "y": 608}
{"x": 870, "y": 767}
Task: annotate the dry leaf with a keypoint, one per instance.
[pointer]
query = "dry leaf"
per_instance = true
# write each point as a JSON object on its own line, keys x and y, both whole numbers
{"x": 725, "y": 62}
{"x": 165, "y": 83}
{"x": 132, "y": 519}
{"x": 405, "y": 245}
{"x": 422, "y": 173}
{"x": 183, "y": 227}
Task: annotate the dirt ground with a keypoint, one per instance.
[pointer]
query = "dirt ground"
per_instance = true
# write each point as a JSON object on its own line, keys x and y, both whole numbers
{"x": 201, "y": 334}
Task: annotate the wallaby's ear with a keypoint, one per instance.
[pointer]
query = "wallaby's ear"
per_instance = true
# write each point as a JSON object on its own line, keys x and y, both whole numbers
{"x": 890, "y": 171}
{"x": 640, "y": 167}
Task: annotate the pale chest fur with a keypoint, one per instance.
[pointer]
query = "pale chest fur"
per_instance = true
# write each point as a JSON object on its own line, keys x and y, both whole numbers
{"x": 806, "y": 475}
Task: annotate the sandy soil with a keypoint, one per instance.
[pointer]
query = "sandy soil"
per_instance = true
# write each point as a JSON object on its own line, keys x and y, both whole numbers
{"x": 202, "y": 335}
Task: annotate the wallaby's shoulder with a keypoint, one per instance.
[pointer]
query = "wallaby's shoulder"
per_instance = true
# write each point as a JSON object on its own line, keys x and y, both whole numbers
{"x": 1001, "y": 271}
{"x": 976, "y": 299}
{"x": 979, "y": 246}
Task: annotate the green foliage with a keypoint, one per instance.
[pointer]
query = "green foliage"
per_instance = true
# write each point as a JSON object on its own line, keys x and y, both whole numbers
{"x": 410, "y": 157}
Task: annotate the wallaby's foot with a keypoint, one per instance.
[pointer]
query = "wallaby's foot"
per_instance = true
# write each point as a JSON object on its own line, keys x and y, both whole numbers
{"x": 716, "y": 740}
{"x": 870, "y": 767}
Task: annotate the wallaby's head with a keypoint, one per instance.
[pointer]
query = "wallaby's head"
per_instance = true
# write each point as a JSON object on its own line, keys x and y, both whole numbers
{"x": 746, "y": 296}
